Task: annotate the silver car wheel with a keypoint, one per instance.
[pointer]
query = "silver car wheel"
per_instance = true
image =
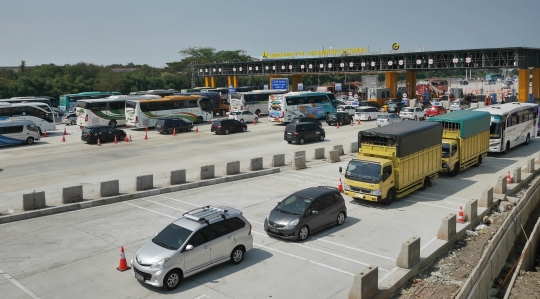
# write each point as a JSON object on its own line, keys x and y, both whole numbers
{"x": 341, "y": 218}
{"x": 173, "y": 279}
{"x": 303, "y": 233}
{"x": 237, "y": 256}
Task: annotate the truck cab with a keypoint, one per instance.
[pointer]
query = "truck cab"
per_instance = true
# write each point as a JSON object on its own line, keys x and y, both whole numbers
{"x": 369, "y": 178}
{"x": 450, "y": 156}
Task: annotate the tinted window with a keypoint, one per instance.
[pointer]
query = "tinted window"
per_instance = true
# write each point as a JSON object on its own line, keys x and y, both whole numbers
{"x": 103, "y": 130}
{"x": 111, "y": 130}
{"x": 172, "y": 237}
{"x": 317, "y": 205}
{"x": 234, "y": 223}
{"x": 220, "y": 229}
{"x": 31, "y": 128}
{"x": 11, "y": 130}
{"x": 197, "y": 239}
{"x": 328, "y": 200}
{"x": 209, "y": 233}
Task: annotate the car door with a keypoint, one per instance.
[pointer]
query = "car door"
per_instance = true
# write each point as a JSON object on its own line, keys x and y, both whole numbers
{"x": 200, "y": 256}
{"x": 315, "y": 220}
{"x": 329, "y": 211}
{"x": 222, "y": 241}
{"x": 248, "y": 116}
{"x": 111, "y": 132}
{"x": 103, "y": 134}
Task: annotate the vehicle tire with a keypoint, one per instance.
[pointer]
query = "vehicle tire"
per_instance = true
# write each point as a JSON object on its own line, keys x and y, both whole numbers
{"x": 369, "y": 118}
{"x": 456, "y": 170}
{"x": 289, "y": 141}
{"x": 244, "y": 129}
{"x": 507, "y": 148}
{"x": 112, "y": 124}
{"x": 73, "y": 122}
{"x": 227, "y": 132}
{"x": 389, "y": 197}
{"x": 257, "y": 112}
{"x": 415, "y": 118}
{"x": 123, "y": 137}
{"x": 321, "y": 138}
{"x": 303, "y": 233}
{"x": 241, "y": 120}
{"x": 237, "y": 255}
{"x": 528, "y": 139}
{"x": 340, "y": 218}
{"x": 301, "y": 141}
{"x": 479, "y": 161}
{"x": 199, "y": 120}
{"x": 256, "y": 120}
{"x": 39, "y": 130}
{"x": 172, "y": 280}
{"x": 30, "y": 140}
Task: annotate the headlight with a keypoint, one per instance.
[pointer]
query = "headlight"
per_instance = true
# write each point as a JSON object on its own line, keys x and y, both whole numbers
{"x": 294, "y": 222}
{"x": 495, "y": 143}
{"x": 376, "y": 192}
{"x": 160, "y": 264}
{"x": 445, "y": 165}
{"x": 345, "y": 186}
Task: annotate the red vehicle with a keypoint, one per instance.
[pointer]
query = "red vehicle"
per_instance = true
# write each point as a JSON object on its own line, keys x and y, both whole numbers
{"x": 435, "y": 110}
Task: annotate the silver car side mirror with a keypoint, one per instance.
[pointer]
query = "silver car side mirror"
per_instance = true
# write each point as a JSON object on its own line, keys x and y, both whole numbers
{"x": 189, "y": 247}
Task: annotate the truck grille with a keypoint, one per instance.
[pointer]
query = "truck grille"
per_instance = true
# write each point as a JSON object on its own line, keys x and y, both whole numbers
{"x": 361, "y": 190}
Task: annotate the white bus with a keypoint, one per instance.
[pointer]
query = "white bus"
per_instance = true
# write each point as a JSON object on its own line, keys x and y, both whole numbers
{"x": 52, "y": 102}
{"x": 39, "y": 113}
{"x": 283, "y": 108}
{"x": 17, "y": 132}
{"x": 145, "y": 113}
{"x": 107, "y": 111}
{"x": 511, "y": 124}
{"x": 255, "y": 101}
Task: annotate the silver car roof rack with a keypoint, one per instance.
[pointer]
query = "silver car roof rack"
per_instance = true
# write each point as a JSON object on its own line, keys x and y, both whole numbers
{"x": 205, "y": 214}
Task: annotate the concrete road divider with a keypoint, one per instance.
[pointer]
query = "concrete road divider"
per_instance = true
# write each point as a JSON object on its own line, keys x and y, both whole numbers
{"x": 319, "y": 153}
{"x": 486, "y": 200}
{"x": 232, "y": 168}
{"x": 448, "y": 228}
{"x": 299, "y": 163}
{"x": 366, "y": 284}
{"x": 530, "y": 165}
{"x": 144, "y": 182}
{"x": 278, "y": 160}
{"x": 339, "y": 148}
{"x": 354, "y": 148}
{"x": 333, "y": 156}
{"x": 72, "y": 194}
{"x": 256, "y": 164}
{"x": 300, "y": 153}
{"x": 516, "y": 174}
{"x": 409, "y": 254}
{"x": 471, "y": 210}
{"x": 177, "y": 177}
{"x": 110, "y": 188}
{"x": 34, "y": 200}
{"x": 500, "y": 186}
{"x": 207, "y": 172}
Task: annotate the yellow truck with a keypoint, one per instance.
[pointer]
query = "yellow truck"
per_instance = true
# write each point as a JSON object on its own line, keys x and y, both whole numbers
{"x": 465, "y": 139}
{"x": 394, "y": 161}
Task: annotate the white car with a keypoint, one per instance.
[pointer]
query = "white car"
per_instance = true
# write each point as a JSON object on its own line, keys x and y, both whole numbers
{"x": 347, "y": 108}
{"x": 366, "y": 113}
{"x": 388, "y": 118}
{"x": 458, "y": 104}
{"x": 244, "y": 116}
{"x": 414, "y": 113}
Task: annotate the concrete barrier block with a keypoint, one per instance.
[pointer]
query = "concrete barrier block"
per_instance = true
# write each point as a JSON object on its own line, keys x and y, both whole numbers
{"x": 99, "y": 202}
{"x": 448, "y": 228}
{"x": 500, "y": 186}
{"x": 409, "y": 254}
{"x": 319, "y": 154}
{"x": 353, "y": 149}
{"x": 46, "y": 212}
{"x": 339, "y": 148}
{"x": 299, "y": 163}
{"x": 530, "y": 165}
{"x": 365, "y": 284}
{"x": 486, "y": 200}
{"x": 18, "y": 217}
{"x": 86, "y": 204}
{"x": 256, "y": 164}
{"x": 144, "y": 182}
{"x": 73, "y": 206}
{"x": 207, "y": 172}
{"x": 278, "y": 160}
{"x": 34, "y": 200}
{"x": 164, "y": 190}
{"x": 300, "y": 153}
{"x": 60, "y": 209}
{"x": 333, "y": 156}
{"x": 516, "y": 174}
{"x": 72, "y": 194}
{"x": 471, "y": 210}
{"x": 110, "y": 188}
{"x": 232, "y": 168}
{"x": 177, "y": 177}
{"x": 5, "y": 219}
{"x": 32, "y": 214}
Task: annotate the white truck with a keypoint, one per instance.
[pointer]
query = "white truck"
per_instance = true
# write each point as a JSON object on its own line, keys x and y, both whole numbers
{"x": 414, "y": 113}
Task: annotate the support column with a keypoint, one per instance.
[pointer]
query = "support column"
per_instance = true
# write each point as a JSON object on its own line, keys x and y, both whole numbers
{"x": 229, "y": 81}
{"x": 523, "y": 85}
{"x": 410, "y": 80}
{"x": 235, "y": 81}
{"x": 391, "y": 82}
{"x": 213, "y": 82}
{"x": 295, "y": 80}
{"x": 206, "y": 81}
{"x": 536, "y": 83}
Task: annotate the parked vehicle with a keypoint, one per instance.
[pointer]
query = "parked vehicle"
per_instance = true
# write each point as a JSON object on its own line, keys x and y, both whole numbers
{"x": 69, "y": 118}
{"x": 305, "y": 212}
{"x": 226, "y": 126}
{"x": 202, "y": 238}
{"x": 465, "y": 139}
{"x": 412, "y": 150}
{"x": 301, "y": 132}
{"x": 459, "y": 104}
{"x": 414, "y": 113}
{"x": 306, "y": 119}
{"x": 17, "y": 132}
{"x": 90, "y": 134}
{"x": 435, "y": 110}
{"x": 366, "y": 113}
{"x": 171, "y": 124}
{"x": 395, "y": 107}
{"x": 347, "y": 108}
{"x": 244, "y": 116}
{"x": 387, "y": 118}
{"x": 369, "y": 104}
{"x": 338, "y": 118}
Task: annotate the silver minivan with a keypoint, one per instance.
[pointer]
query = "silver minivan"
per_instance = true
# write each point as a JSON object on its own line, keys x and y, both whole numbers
{"x": 202, "y": 238}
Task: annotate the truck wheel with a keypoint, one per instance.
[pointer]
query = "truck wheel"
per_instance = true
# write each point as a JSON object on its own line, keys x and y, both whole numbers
{"x": 479, "y": 161}
{"x": 507, "y": 148}
{"x": 528, "y": 139}
{"x": 389, "y": 197}
{"x": 456, "y": 170}
{"x": 427, "y": 183}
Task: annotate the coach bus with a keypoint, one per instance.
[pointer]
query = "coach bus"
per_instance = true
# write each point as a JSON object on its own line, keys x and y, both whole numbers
{"x": 511, "y": 124}
{"x": 52, "y": 102}
{"x": 145, "y": 113}
{"x": 68, "y": 102}
{"x": 255, "y": 101}
{"x": 284, "y": 107}
{"x": 39, "y": 113}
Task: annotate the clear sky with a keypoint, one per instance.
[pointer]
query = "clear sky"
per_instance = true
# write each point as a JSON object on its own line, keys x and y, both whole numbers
{"x": 104, "y": 32}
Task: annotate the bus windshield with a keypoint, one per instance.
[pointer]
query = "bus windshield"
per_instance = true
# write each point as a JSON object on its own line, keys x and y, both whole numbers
{"x": 495, "y": 127}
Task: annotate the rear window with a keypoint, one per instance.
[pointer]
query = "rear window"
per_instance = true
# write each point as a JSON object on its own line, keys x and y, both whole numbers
{"x": 160, "y": 121}
{"x": 86, "y": 130}
{"x": 216, "y": 122}
{"x": 408, "y": 109}
{"x": 290, "y": 128}
{"x": 235, "y": 113}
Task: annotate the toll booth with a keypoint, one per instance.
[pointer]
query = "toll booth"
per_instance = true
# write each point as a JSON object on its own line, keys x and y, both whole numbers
{"x": 378, "y": 95}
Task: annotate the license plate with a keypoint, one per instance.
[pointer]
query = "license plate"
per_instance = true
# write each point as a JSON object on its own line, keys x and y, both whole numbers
{"x": 289, "y": 133}
{"x": 159, "y": 126}
{"x": 139, "y": 277}
{"x": 273, "y": 230}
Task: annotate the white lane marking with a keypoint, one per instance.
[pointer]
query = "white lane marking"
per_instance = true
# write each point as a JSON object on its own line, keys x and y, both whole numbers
{"x": 200, "y": 297}
{"x": 178, "y": 200}
{"x": 19, "y": 285}
{"x": 305, "y": 177}
{"x": 304, "y": 259}
{"x": 428, "y": 243}
{"x": 427, "y": 204}
{"x": 324, "y": 176}
{"x": 438, "y": 200}
{"x": 157, "y": 203}
{"x": 388, "y": 274}
{"x": 127, "y": 203}
{"x": 422, "y": 192}
{"x": 281, "y": 178}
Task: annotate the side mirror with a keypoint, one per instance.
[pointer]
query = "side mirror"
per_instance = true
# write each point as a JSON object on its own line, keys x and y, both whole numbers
{"x": 314, "y": 212}
{"x": 340, "y": 169}
{"x": 189, "y": 247}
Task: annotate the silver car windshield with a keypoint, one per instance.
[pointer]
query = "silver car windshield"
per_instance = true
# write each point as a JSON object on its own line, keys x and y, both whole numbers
{"x": 293, "y": 205}
{"x": 172, "y": 237}
{"x": 363, "y": 171}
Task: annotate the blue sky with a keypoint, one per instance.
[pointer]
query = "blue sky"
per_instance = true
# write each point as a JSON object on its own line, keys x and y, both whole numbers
{"x": 153, "y": 32}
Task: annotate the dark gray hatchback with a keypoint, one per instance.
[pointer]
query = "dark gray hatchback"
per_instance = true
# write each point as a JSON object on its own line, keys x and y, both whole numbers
{"x": 305, "y": 212}
{"x": 302, "y": 132}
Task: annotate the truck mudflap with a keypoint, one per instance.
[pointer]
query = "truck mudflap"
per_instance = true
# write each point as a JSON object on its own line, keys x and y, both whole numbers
{"x": 362, "y": 196}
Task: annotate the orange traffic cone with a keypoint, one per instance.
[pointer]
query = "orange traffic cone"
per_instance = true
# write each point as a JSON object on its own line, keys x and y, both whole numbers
{"x": 358, "y": 121}
{"x": 460, "y": 217}
{"x": 174, "y": 132}
{"x": 508, "y": 178}
{"x": 63, "y": 138}
{"x": 130, "y": 138}
{"x": 340, "y": 186}
{"x": 337, "y": 125}
{"x": 123, "y": 266}
{"x": 126, "y": 139}
{"x": 146, "y": 135}
{"x": 127, "y": 126}
{"x": 254, "y": 121}
{"x": 65, "y": 132}
{"x": 45, "y": 133}
{"x": 197, "y": 129}
{"x": 115, "y": 140}
{"x": 146, "y": 128}
{"x": 352, "y": 123}
{"x": 98, "y": 142}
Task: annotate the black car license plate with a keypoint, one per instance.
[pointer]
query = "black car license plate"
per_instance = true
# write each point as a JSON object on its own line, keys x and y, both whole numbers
{"x": 139, "y": 277}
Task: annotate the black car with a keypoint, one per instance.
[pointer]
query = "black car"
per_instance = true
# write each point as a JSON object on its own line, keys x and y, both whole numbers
{"x": 306, "y": 119}
{"x": 169, "y": 124}
{"x": 305, "y": 212}
{"x": 338, "y": 118}
{"x": 227, "y": 125}
{"x": 302, "y": 132}
{"x": 91, "y": 134}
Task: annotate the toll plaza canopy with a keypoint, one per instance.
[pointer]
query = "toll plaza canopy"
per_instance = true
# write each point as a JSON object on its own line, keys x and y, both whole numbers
{"x": 517, "y": 57}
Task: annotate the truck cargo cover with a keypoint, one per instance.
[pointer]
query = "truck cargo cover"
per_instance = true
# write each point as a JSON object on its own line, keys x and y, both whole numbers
{"x": 470, "y": 122}
{"x": 408, "y": 136}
